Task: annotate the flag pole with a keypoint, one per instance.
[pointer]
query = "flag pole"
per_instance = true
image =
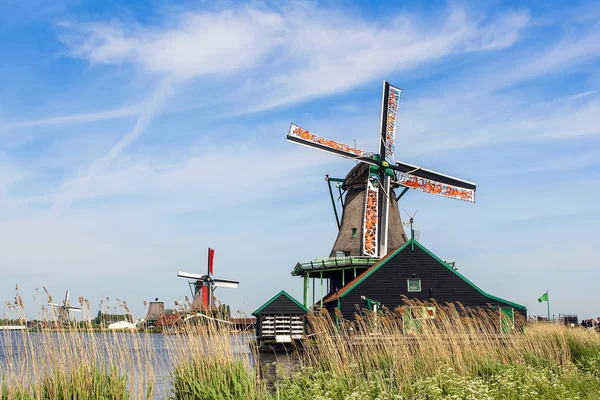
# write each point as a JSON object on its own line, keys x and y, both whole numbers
{"x": 548, "y": 304}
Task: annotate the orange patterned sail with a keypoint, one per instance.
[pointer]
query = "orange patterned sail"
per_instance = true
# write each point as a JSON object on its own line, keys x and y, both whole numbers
{"x": 390, "y": 115}
{"x": 371, "y": 220}
{"x": 437, "y": 188}
{"x": 302, "y": 136}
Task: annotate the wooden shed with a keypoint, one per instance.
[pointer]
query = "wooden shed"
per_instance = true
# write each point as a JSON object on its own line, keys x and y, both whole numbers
{"x": 281, "y": 319}
{"x": 415, "y": 272}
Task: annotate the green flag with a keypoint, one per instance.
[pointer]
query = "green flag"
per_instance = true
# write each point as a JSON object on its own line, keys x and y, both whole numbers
{"x": 543, "y": 298}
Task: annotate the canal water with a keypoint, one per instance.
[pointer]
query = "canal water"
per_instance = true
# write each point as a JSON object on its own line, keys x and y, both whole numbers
{"x": 270, "y": 363}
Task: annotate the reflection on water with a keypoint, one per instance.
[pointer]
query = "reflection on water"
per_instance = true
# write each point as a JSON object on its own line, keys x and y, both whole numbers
{"x": 271, "y": 365}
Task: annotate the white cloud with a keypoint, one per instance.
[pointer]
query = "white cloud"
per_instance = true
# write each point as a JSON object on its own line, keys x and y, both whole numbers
{"x": 302, "y": 51}
{"x": 201, "y": 43}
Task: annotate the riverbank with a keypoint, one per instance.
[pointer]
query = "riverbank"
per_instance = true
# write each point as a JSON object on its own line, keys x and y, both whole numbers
{"x": 453, "y": 356}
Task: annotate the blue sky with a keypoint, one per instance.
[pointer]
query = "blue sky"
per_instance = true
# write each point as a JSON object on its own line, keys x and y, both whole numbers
{"x": 135, "y": 135}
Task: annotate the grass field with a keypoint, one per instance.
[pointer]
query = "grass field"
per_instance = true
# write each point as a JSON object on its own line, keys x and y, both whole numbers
{"x": 458, "y": 355}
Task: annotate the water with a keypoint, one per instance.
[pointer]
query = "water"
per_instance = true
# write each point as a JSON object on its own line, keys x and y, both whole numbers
{"x": 136, "y": 347}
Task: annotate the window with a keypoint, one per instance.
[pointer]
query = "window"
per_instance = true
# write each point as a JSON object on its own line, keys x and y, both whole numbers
{"x": 353, "y": 233}
{"x": 414, "y": 285}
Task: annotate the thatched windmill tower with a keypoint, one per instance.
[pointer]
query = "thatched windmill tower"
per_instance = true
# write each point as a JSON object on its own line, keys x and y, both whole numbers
{"x": 348, "y": 242}
{"x": 156, "y": 310}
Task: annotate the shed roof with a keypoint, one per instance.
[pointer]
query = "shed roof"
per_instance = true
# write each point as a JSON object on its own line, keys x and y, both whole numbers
{"x": 356, "y": 281}
{"x": 282, "y": 293}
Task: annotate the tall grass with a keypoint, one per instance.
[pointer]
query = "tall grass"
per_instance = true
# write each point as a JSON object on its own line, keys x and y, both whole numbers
{"x": 74, "y": 362}
{"x": 459, "y": 354}
{"x": 210, "y": 361}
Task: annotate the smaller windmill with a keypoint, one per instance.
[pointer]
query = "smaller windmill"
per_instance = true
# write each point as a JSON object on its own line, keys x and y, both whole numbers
{"x": 203, "y": 285}
{"x": 64, "y": 310}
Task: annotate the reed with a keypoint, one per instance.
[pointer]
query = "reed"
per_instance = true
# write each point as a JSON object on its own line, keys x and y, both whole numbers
{"x": 75, "y": 361}
{"x": 209, "y": 361}
{"x": 458, "y": 354}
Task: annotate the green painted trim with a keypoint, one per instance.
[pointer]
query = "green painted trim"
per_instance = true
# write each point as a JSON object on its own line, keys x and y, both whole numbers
{"x": 335, "y": 179}
{"x": 321, "y": 289}
{"x": 317, "y": 272}
{"x": 272, "y": 299}
{"x": 306, "y": 282}
{"x": 414, "y": 242}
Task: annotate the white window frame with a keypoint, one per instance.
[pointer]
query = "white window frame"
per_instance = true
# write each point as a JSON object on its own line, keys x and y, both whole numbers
{"x": 408, "y": 285}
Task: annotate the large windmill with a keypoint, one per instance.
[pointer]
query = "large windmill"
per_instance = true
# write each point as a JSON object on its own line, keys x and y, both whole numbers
{"x": 373, "y": 180}
{"x": 203, "y": 285}
{"x": 64, "y": 309}
{"x": 371, "y": 223}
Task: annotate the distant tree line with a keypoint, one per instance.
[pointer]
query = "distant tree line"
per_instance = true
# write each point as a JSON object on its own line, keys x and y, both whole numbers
{"x": 103, "y": 319}
{"x": 5, "y": 321}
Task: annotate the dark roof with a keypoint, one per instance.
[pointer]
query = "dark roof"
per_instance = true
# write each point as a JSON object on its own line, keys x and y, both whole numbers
{"x": 282, "y": 293}
{"x": 356, "y": 281}
{"x": 168, "y": 320}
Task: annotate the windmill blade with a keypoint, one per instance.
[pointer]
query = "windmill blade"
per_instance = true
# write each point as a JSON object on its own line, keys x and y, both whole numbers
{"x": 74, "y": 308}
{"x": 371, "y": 220}
{"x": 190, "y": 276}
{"x": 225, "y": 283}
{"x": 67, "y": 296}
{"x": 55, "y": 305}
{"x": 306, "y": 138}
{"x": 428, "y": 181}
{"x": 389, "y": 116}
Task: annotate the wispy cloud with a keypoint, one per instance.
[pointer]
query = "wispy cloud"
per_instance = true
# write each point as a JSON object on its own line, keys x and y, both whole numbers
{"x": 69, "y": 189}
{"x": 476, "y": 83}
{"x": 303, "y": 51}
{"x": 74, "y": 119}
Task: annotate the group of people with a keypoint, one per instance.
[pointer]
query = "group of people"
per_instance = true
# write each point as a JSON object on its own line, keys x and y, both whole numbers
{"x": 591, "y": 323}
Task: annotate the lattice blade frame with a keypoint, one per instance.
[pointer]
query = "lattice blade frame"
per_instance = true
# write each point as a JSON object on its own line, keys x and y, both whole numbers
{"x": 440, "y": 189}
{"x": 389, "y": 116}
{"x": 190, "y": 276}
{"x": 371, "y": 220}
{"x": 301, "y": 136}
{"x": 225, "y": 283}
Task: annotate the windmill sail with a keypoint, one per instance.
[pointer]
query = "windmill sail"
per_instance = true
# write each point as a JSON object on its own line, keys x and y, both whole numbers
{"x": 389, "y": 116}
{"x": 190, "y": 276}
{"x": 211, "y": 259}
{"x": 432, "y": 182}
{"x": 371, "y": 220}
{"x": 306, "y": 138}
{"x": 225, "y": 283}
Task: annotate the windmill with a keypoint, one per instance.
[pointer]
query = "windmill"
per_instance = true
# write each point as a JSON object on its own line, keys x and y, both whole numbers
{"x": 370, "y": 206}
{"x": 203, "y": 285}
{"x": 64, "y": 309}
